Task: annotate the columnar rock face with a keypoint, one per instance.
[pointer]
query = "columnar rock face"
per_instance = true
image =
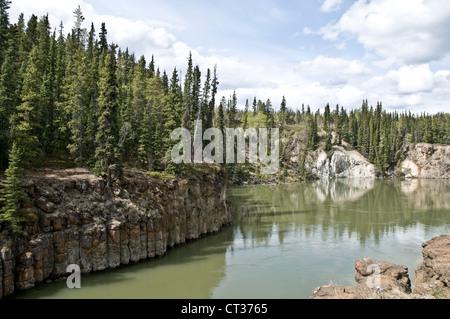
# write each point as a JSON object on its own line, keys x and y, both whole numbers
{"x": 73, "y": 219}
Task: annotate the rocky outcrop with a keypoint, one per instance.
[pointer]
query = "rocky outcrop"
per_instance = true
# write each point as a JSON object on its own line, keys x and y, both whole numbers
{"x": 74, "y": 219}
{"x": 381, "y": 279}
{"x": 427, "y": 161}
{"x": 372, "y": 276}
{"x": 434, "y": 272}
{"x": 342, "y": 162}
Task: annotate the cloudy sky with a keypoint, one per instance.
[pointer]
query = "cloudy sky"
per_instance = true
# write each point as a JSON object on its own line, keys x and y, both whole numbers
{"x": 312, "y": 52}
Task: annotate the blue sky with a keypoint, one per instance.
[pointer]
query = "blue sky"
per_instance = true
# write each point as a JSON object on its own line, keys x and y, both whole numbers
{"x": 313, "y": 52}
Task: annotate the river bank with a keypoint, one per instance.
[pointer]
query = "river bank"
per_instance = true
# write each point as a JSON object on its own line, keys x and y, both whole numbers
{"x": 74, "y": 219}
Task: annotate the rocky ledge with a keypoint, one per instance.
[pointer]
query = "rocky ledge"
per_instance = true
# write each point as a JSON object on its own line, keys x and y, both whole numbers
{"x": 384, "y": 280}
{"x": 74, "y": 219}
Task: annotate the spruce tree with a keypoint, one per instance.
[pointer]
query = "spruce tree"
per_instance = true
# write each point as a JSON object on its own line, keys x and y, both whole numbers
{"x": 4, "y": 25}
{"x": 12, "y": 193}
{"x": 76, "y": 105}
{"x": 10, "y": 83}
{"x": 212, "y": 102}
{"x": 205, "y": 116}
{"x": 25, "y": 124}
{"x": 283, "y": 112}
{"x": 103, "y": 43}
{"x": 245, "y": 116}
{"x": 196, "y": 110}
{"x": 187, "y": 94}
{"x": 232, "y": 111}
{"x": 107, "y": 153}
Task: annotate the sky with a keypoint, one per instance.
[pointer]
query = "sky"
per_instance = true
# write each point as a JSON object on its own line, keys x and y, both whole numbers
{"x": 313, "y": 52}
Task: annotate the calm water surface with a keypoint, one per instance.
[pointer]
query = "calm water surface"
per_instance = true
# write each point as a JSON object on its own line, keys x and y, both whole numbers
{"x": 285, "y": 241}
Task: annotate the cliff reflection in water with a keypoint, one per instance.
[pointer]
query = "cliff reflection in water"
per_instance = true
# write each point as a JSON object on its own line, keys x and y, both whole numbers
{"x": 365, "y": 208}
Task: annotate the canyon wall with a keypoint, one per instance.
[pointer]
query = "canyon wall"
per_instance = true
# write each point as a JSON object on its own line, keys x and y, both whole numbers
{"x": 74, "y": 219}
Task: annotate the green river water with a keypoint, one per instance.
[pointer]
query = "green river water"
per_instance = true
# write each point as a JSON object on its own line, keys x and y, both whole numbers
{"x": 285, "y": 241}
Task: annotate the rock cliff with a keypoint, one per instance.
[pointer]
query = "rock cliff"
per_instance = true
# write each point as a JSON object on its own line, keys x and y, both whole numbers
{"x": 342, "y": 162}
{"x": 73, "y": 219}
{"x": 426, "y": 161}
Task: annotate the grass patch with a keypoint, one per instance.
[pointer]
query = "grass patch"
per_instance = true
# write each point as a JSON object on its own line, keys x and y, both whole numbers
{"x": 161, "y": 176}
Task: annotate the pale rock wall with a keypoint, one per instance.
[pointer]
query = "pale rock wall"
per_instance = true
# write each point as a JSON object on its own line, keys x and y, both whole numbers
{"x": 426, "y": 161}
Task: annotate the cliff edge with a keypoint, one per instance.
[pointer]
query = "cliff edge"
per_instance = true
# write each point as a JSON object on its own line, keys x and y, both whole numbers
{"x": 74, "y": 219}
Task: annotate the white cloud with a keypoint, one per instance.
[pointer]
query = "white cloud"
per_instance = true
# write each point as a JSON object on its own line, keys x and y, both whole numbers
{"x": 413, "y": 79}
{"x": 410, "y": 31}
{"x": 331, "y": 5}
{"x": 322, "y": 65}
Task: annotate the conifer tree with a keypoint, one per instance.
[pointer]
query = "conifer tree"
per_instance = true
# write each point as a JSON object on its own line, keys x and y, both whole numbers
{"x": 196, "y": 110}
{"x": 221, "y": 115}
{"x": 283, "y": 112}
{"x": 212, "y": 102}
{"x": 232, "y": 111}
{"x": 80, "y": 33}
{"x": 25, "y": 124}
{"x": 245, "y": 115}
{"x": 205, "y": 116}
{"x": 187, "y": 94}
{"x": 9, "y": 95}
{"x": 107, "y": 153}
{"x": 103, "y": 42}
{"x": 12, "y": 193}
{"x": 75, "y": 82}
{"x": 4, "y": 25}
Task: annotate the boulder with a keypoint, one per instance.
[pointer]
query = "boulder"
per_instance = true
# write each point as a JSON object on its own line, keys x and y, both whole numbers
{"x": 372, "y": 277}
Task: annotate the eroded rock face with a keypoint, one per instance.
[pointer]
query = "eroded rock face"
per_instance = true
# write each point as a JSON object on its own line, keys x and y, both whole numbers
{"x": 73, "y": 219}
{"x": 426, "y": 161}
{"x": 342, "y": 162}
